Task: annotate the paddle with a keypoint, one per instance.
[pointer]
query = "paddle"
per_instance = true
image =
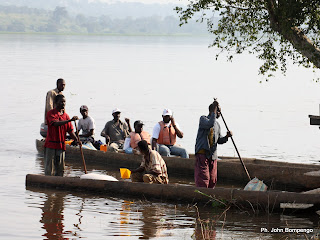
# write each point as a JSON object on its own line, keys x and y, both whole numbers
{"x": 242, "y": 163}
{"x": 80, "y": 145}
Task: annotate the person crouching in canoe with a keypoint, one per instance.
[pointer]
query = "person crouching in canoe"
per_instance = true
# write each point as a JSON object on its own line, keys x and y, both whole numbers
{"x": 59, "y": 123}
{"x": 153, "y": 168}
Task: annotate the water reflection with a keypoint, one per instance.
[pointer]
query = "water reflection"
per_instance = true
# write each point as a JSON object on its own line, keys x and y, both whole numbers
{"x": 81, "y": 215}
{"x": 52, "y": 216}
{"x": 125, "y": 218}
{"x": 151, "y": 218}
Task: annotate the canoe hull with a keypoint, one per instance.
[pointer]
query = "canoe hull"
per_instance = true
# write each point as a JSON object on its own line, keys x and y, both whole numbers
{"x": 174, "y": 192}
{"x": 277, "y": 175}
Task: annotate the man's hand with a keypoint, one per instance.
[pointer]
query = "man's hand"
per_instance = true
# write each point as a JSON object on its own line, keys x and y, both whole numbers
{"x": 127, "y": 120}
{"x": 173, "y": 122}
{"x": 229, "y": 134}
{"x": 74, "y": 143}
{"x": 216, "y": 106}
{"x": 74, "y": 118}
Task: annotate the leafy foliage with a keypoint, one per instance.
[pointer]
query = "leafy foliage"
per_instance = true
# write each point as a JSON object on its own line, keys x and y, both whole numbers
{"x": 274, "y": 30}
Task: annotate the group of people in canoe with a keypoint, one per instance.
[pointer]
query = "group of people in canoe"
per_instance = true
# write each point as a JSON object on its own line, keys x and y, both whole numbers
{"x": 120, "y": 137}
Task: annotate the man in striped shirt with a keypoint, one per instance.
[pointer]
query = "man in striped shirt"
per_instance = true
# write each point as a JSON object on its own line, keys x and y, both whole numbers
{"x": 153, "y": 168}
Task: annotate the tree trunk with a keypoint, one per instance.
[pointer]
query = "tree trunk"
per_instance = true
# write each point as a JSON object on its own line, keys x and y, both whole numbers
{"x": 294, "y": 35}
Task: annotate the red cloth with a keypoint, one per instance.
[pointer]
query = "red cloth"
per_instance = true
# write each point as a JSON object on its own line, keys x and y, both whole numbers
{"x": 56, "y": 136}
{"x": 205, "y": 171}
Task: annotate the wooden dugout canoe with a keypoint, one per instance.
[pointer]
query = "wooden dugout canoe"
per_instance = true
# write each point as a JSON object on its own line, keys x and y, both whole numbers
{"x": 270, "y": 200}
{"x": 277, "y": 175}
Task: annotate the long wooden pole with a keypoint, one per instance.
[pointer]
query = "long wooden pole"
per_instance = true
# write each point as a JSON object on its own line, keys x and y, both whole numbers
{"x": 80, "y": 144}
{"x": 244, "y": 167}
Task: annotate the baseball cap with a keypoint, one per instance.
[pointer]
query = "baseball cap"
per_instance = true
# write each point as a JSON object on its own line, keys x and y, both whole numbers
{"x": 83, "y": 107}
{"x": 167, "y": 112}
{"x": 116, "y": 110}
{"x": 138, "y": 122}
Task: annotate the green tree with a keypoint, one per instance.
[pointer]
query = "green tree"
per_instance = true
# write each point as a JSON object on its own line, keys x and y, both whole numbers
{"x": 59, "y": 14}
{"x": 274, "y": 30}
{"x": 16, "y": 26}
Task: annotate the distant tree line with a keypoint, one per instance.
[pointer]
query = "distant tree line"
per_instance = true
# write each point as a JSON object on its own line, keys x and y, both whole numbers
{"x": 24, "y": 19}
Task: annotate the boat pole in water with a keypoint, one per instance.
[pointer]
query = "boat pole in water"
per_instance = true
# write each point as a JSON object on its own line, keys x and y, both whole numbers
{"x": 242, "y": 163}
{"x": 80, "y": 145}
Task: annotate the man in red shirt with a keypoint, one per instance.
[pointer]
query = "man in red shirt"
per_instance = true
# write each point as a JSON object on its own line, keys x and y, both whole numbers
{"x": 59, "y": 123}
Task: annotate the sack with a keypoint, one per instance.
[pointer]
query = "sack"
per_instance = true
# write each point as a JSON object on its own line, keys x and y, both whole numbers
{"x": 97, "y": 144}
{"x": 256, "y": 185}
{"x": 126, "y": 143}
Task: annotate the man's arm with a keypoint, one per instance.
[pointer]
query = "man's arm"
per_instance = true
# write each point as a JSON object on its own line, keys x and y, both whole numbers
{"x": 154, "y": 144}
{"x": 224, "y": 139}
{"x": 128, "y": 123}
{"x": 139, "y": 169}
{"x": 89, "y": 134}
{"x": 74, "y": 137}
{"x": 178, "y": 132}
{"x": 207, "y": 123}
{"x": 155, "y": 136}
{"x": 104, "y": 133}
{"x": 60, "y": 123}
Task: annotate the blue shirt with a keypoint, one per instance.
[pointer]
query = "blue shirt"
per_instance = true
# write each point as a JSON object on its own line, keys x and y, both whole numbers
{"x": 202, "y": 141}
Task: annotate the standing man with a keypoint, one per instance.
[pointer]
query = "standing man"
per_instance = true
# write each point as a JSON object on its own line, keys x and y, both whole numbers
{"x": 115, "y": 132}
{"x": 87, "y": 125}
{"x": 165, "y": 133}
{"x": 208, "y": 137}
{"x": 51, "y": 95}
{"x": 59, "y": 123}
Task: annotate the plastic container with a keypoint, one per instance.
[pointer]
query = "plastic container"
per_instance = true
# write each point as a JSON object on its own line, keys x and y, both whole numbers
{"x": 125, "y": 173}
{"x": 69, "y": 142}
{"x": 43, "y": 130}
{"x": 103, "y": 147}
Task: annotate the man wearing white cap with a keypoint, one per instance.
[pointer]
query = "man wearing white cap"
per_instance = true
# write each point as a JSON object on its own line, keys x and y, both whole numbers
{"x": 87, "y": 125}
{"x": 164, "y": 136}
{"x": 115, "y": 132}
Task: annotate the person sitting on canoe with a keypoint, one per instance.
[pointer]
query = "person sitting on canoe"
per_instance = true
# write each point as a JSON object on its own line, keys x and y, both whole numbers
{"x": 208, "y": 137}
{"x": 115, "y": 132}
{"x": 153, "y": 168}
{"x": 59, "y": 123}
{"x": 87, "y": 125}
{"x": 136, "y": 136}
{"x": 164, "y": 136}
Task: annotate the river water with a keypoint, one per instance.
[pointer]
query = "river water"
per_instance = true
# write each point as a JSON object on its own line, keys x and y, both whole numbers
{"x": 142, "y": 75}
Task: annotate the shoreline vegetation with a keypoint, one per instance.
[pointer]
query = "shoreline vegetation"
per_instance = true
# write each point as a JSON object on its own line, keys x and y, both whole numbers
{"x": 104, "y": 34}
{"x": 19, "y": 19}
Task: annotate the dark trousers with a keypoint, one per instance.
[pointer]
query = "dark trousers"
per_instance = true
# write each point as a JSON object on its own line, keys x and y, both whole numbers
{"x": 54, "y": 162}
{"x": 205, "y": 171}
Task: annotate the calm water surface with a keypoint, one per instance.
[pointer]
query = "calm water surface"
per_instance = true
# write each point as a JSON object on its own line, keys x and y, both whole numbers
{"x": 143, "y": 75}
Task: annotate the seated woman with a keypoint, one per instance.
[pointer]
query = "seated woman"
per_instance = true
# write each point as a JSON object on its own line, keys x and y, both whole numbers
{"x": 137, "y": 136}
{"x": 153, "y": 168}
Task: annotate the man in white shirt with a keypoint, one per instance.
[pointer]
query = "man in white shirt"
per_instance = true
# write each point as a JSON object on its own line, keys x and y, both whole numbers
{"x": 87, "y": 125}
{"x": 164, "y": 136}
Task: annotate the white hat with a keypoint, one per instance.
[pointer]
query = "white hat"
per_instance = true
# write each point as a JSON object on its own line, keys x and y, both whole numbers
{"x": 116, "y": 110}
{"x": 167, "y": 112}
